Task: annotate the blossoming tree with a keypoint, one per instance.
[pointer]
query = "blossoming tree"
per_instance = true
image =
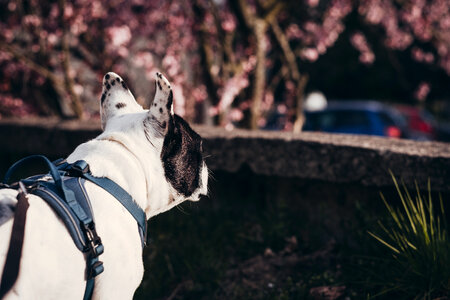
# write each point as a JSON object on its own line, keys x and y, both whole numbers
{"x": 230, "y": 61}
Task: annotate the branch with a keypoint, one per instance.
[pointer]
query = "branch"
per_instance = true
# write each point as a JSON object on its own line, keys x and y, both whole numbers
{"x": 205, "y": 52}
{"x": 289, "y": 55}
{"x": 299, "y": 79}
{"x": 245, "y": 18}
{"x": 227, "y": 42}
{"x": 16, "y": 53}
{"x": 68, "y": 80}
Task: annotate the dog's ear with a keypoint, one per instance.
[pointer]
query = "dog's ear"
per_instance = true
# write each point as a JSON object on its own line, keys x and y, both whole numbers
{"x": 161, "y": 109}
{"x": 116, "y": 98}
{"x": 182, "y": 156}
{"x": 181, "y": 152}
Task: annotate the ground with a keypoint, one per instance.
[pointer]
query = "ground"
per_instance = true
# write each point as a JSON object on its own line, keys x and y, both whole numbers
{"x": 258, "y": 237}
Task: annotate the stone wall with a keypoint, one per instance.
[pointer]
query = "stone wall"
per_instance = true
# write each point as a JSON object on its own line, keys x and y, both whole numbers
{"x": 338, "y": 159}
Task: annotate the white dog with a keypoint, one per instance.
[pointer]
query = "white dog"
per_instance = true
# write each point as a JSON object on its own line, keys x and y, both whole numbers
{"x": 154, "y": 155}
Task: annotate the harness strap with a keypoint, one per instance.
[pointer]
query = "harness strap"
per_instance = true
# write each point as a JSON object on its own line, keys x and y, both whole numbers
{"x": 82, "y": 169}
{"x": 93, "y": 268}
{"x": 12, "y": 264}
{"x": 124, "y": 198}
{"x": 57, "y": 169}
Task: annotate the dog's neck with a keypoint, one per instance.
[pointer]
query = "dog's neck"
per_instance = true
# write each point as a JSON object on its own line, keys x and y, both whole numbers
{"x": 134, "y": 167}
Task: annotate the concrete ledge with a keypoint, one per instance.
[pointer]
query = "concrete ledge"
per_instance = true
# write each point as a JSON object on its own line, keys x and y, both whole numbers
{"x": 361, "y": 160}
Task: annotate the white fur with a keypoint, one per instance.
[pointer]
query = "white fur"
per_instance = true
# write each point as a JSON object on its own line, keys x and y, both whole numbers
{"x": 51, "y": 266}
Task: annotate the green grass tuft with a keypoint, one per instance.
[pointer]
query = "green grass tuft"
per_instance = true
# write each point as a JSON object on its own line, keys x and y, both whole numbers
{"x": 417, "y": 237}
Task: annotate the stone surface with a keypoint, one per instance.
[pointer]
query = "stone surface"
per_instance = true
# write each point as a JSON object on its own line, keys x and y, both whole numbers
{"x": 335, "y": 158}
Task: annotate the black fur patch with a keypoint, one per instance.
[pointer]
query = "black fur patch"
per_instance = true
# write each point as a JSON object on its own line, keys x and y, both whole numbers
{"x": 182, "y": 156}
{"x": 113, "y": 82}
{"x": 159, "y": 85}
{"x": 124, "y": 85}
{"x": 120, "y": 105}
{"x": 170, "y": 100}
{"x": 103, "y": 97}
{"x": 107, "y": 76}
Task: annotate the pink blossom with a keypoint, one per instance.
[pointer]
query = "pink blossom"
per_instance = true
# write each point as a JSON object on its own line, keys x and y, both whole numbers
{"x": 31, "y": 20}
{"x": 312, "y": 3}
{"x": 229, "y": 127}
{"x": 310, "y": 54}
{"x": 294, "y": 32}
{"x": 52, "y": 39}
{"x": 122, "y": 51}
{"x": 262, "y": 122}
{"x": 236, "y": 115}
{"x": 11, "y": 106}
{"x": 422, "y": 91}
{"x": 98, "y": 10}
{"x": 4, "y": 56}
{"x": 78, "y": 89}
{"x": 358, "y": 40}
{"x": 422, "y": 56}
{"x": 119, "y": 35}
{"x": 171, "y": 64}
{"x": 78, "y": 26}
{"x": 68, "y": 11}
{"x": 267, "y": 102}
{"x": 213, "y": 111}
{"x": 281, "y": 109}
{"x": 199, "y": 93}
{"x": 12, "y": 6}
{"x": 231, "y": 89}
{"x": 8, "y": 34}
{"x": 229, "y": 23}
{"x": 143, "y": 59}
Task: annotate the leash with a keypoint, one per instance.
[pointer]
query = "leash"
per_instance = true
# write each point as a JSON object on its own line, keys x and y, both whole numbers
{"x": 70, "y": 202}
{"x": 11, "y": 268}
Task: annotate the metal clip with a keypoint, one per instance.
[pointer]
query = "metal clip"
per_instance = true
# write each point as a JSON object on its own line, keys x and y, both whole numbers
{"x": 22, "y": 188}
{"x": 94, "y": 241}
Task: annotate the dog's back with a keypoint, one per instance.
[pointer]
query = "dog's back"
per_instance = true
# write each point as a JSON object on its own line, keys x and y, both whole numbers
{"x": 152, "y": 154}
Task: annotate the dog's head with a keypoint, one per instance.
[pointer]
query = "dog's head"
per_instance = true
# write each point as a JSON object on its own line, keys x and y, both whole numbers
{"x": 160, "y": 139}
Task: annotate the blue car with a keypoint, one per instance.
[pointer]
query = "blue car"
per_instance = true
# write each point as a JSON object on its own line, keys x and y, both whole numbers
{"x": 357, "y": 117}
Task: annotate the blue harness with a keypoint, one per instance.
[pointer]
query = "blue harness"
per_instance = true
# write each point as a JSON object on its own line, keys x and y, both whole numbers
{"x": 66, "y": 195}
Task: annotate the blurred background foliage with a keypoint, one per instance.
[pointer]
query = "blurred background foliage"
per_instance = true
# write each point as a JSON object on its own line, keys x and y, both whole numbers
{"x": 231, "y": 62}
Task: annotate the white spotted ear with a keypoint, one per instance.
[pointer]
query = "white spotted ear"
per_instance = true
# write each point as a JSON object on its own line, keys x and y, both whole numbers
{"x": 161, "y": 108}
{"x": 116, "y": 98}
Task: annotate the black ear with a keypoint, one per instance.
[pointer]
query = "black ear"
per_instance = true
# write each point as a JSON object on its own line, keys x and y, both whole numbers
{"x": 182, "y": 156}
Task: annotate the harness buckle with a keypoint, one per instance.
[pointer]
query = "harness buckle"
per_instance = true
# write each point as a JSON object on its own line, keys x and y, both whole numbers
{"x": 95, "y": 269}
{"x": 95, "y": 246}
{"x": 79, "y": 167}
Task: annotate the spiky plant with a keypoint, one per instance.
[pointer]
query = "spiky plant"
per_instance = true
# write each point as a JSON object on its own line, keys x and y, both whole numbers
{"x": 418, "y": 239}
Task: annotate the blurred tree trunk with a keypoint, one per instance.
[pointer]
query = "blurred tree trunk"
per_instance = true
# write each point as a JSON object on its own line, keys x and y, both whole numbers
{"x": 75, "y": 102}
{"x": 259, "y": 30}
{"x": 256, "y": 28}
{"x": 256, "y": 25}
{"x": 206, "y": 55}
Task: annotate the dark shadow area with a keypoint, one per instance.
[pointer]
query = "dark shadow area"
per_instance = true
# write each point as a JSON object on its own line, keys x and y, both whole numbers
{"x": 262, "y": 237}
